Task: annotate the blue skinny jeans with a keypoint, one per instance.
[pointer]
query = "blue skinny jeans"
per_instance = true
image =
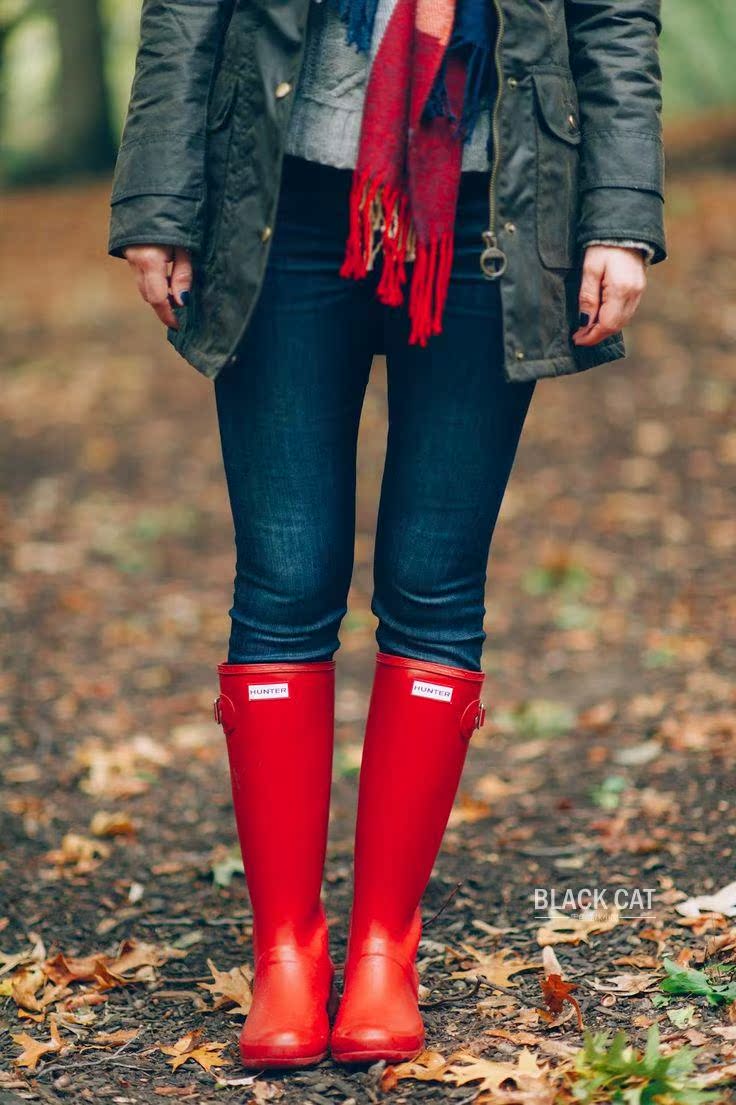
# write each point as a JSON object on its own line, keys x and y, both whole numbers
{"x": 288, "y": 412}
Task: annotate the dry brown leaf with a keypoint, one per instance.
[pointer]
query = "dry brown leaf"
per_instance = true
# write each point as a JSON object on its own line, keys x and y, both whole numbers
{"x": 230, "y": 987}
{"x": 110, "y": 971}
{"x": 524, "y": 1081}
{"x": 78, "y": 854}
{"x": 115, "y": 1039}
{"x": 35, "y": 954}
{"x": 429, "y": 1066}
{"x": 467, "y": 810}
{"x": 718, "y": 1075}
{"x": 640, "y": 961}
{"x": 563, "y": 929}
{"x": 133, "y": 955}
{"x": 122, "y": 769}
{"x": 23, "y": 986}
{"x": 528, "y": 1039}
{"x": 628, "y": 985}
{"x": 33, "y": 1050}
{"x": 111, "y": 824}
{"x": 207, "y": 1055}
{"x": 496, "y": 967}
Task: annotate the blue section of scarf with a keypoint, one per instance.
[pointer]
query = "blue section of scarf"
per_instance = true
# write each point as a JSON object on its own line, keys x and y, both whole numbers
{"x": 473, "y": 38}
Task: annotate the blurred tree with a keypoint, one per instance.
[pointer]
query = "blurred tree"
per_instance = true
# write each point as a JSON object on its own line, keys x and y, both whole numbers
{"x": 12, "y": 14}
{"x": 83, "y": 137}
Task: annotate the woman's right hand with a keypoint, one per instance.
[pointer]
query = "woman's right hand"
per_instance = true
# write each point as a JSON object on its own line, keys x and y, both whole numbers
{"x": 163, "y": 275}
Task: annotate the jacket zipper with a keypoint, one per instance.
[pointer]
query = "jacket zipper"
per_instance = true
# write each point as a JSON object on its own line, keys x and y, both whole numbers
{"x": 493, "y": 260}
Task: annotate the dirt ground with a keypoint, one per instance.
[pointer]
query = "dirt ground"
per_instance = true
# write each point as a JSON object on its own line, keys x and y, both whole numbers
{"x": 606, "y": 761}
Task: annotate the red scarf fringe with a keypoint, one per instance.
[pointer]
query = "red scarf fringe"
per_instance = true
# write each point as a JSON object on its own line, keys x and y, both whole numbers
{"x": 380, "y": 223}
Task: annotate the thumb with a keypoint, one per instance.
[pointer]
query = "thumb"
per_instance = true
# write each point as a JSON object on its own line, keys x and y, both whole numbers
{"x": 181, "y": 274}
{"x": 589, "y": 297}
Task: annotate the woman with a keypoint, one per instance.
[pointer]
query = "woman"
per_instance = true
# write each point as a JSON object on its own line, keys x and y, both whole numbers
{"x": 473, "y": 187}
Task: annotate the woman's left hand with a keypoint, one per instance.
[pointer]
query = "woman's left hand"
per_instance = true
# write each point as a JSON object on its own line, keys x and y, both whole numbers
{"x": 614, "y": 278}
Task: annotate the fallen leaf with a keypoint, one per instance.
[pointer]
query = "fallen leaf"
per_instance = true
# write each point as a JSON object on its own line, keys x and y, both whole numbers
{"x": 563, "y": 929}
{"x": 33, "y": 1049}
{"x": 557, "y": 993}
{"x": 111, "y": 824}
{"x": 723, "y": 902}
{"x": 525, "y": 1078}
{"x": 496, "y": 967}
{"x": 686, "y": 980}
{"x": 468, "y": 810}
{"x": 115, "y": 1039}
{"x": 78, "y": 855}
{"x": 122, "y": 769}
{"x": 429, "y": 1066}
{"x": 528, "y": 1039}
{"x": 230, "y": 988}
{"x": 627, "y": 985}
{"x": 207, "y": 1055}
{"x": 135, "y": 962}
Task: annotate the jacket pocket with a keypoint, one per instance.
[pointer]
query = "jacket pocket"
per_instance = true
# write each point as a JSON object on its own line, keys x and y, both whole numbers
{"x": 217, "y": 154}
{"x": 558, "y": 157}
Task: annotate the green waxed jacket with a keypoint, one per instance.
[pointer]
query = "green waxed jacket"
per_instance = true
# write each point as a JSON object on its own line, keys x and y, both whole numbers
{"x": 578, "y": 156}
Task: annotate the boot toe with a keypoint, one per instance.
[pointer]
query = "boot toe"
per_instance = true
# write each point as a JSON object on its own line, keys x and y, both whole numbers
{"x": 283, "y": 1047}
{"x": 363, "y": 1043}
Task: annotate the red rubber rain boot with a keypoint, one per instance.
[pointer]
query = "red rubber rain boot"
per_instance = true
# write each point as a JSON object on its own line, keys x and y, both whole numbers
{"x": 420, "y": 720}
{"x": 278, "y": 720}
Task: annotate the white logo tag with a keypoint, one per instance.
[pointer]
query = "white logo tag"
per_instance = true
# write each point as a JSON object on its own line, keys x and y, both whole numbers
{"x": 431, "y": 690}
{"x": 268, "y": 690}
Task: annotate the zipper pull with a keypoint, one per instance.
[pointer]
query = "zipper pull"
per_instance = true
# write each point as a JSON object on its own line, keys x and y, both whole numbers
{"x": 493, "y": 260}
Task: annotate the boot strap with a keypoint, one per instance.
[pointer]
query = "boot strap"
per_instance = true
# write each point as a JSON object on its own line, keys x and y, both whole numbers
{"x": 472, "y": 718}
{"x": 224, "y": 712}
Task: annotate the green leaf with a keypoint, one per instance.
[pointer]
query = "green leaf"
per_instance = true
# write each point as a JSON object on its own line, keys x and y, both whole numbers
{"x": 687, "y": 980}
{"x": 613, "y": 1071}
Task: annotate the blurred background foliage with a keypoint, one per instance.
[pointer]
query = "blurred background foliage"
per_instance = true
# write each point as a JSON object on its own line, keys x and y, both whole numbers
{"x": 66, "y": 67}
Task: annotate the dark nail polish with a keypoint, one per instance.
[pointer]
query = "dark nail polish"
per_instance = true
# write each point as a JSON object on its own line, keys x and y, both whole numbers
{"x": 584, "y": 318}
{"x": 184, "y": 299}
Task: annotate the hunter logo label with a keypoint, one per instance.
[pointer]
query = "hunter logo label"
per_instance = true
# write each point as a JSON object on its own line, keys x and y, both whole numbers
{"x": 268, "y": 690}
{"x": 431, "y": 690}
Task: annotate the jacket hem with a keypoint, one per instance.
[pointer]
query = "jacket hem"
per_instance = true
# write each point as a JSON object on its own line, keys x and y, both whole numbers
{"x": 567, "y": 364}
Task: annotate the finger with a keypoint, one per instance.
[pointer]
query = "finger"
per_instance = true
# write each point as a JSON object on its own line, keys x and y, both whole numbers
{"x": 615, "y": 312}
{"x": 180, "y": 280}
{"x": 156, "y": 292}
{"x": 619, "y": 304}
{"x": 589, "y": 296}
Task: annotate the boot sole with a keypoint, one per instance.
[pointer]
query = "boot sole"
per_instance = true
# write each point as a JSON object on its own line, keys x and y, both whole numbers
{"x": 283, "y": 1062}
{"x": 374, "y": 1055}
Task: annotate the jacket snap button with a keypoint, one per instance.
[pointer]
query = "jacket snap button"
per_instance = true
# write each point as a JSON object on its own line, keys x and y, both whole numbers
{"x": 572, "y": 121}
{"x": 520, "y": 354}
{"x": 510, "y": 228}
{"x": 266, "y": 233}
{"x": 512, "y": 82}
{"x": 282, "y": 90}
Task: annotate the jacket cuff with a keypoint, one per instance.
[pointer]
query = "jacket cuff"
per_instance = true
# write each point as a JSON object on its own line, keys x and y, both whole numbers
{"x": 629, "y": 243}
{"x": 633, "y": 214}
{"x": 154, "y": 220}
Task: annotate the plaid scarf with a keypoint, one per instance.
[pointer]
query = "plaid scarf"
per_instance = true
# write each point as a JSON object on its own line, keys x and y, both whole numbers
{"x": 431, "y": 72}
